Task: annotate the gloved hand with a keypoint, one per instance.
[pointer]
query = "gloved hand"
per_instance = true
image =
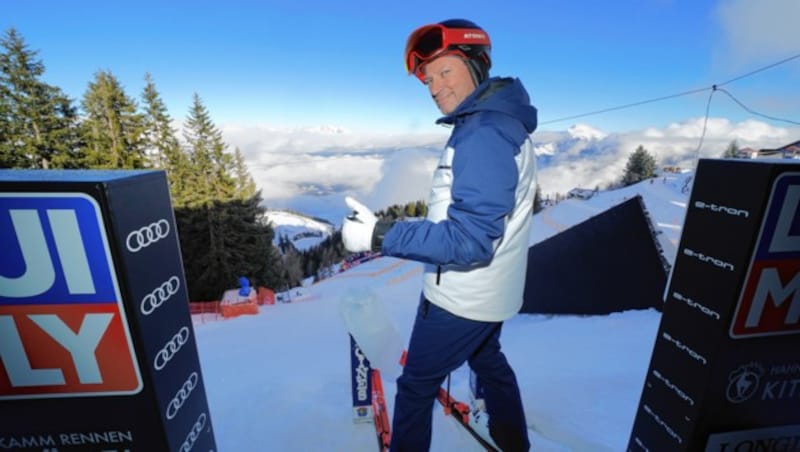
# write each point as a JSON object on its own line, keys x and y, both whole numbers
{"x": 357, "y": 227}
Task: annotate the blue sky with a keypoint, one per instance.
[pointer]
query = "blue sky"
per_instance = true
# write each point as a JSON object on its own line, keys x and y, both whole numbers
{"x": 312, "y": 63}
{"x": 315, "y": 95}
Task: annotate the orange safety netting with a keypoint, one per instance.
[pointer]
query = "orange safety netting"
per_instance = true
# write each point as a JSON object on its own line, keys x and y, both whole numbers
{"x": 265, "y": 296}
{"x": 234, "y": 305}
{"x": 204, "y": 307}
{"x": 235, "y": 310}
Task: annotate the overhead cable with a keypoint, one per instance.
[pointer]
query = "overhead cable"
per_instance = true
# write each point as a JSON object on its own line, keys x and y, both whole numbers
{"x": 686, "y": 93}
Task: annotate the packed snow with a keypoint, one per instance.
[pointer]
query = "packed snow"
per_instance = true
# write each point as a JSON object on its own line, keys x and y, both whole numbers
{"x": 280, "y": 380}
{"x": 303, "y": 232}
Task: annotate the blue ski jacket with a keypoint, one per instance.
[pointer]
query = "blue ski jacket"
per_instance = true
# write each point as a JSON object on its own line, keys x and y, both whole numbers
{"x": 474, "y": 240}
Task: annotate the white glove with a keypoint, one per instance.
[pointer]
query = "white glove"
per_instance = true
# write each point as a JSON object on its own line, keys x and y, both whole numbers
{"x": 357, "y": 227}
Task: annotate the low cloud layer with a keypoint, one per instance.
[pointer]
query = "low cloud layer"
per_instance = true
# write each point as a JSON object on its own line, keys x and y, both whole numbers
{"x": 311, "y": 170}
{"x": 678, "y": 144}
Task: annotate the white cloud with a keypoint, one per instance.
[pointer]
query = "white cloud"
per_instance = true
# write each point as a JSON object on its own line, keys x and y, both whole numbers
{"x": 545, "y": 149}
{"x": 406, "y": 177}
{"x": 755, "y": 31}
{"x": 653, "y": 133}
{"x": 310, "y": 170}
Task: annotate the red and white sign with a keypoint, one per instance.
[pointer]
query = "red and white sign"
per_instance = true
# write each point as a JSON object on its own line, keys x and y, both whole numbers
{"x": 63, "y": 329}
{"x": 769, "y": 303}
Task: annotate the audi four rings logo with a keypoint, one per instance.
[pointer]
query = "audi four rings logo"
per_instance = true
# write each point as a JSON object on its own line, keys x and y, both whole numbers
{"x": 183, "y": 394}
{"x": 171, "y": 348}
{"x": 162, "y": 293}
{"x": 147, "y": 235}
{"x": 197, "y": 429}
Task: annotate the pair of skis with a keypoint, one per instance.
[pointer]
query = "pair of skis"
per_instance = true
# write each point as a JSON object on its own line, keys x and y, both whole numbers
{"x": 460, "y": 411}
{"x": 382, "y": 425}
{"x": 372, "y": 331}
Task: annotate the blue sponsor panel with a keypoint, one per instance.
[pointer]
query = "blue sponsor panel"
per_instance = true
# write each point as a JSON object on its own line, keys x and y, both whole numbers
{"x": 724, "y": 370}
{"x": 55, "y": 250}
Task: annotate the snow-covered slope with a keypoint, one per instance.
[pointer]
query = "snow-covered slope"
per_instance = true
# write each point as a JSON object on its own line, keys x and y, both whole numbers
{"x": 664, "y": 197}
{"x": 303, "y": 231}
{"x": 279, "y": 380}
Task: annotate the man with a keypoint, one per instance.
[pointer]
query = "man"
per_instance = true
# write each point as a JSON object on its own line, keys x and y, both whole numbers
{"x": 474, "y": 241}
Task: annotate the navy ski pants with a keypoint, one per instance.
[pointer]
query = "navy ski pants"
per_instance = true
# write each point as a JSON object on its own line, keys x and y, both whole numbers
{"x": 440, "y": 343}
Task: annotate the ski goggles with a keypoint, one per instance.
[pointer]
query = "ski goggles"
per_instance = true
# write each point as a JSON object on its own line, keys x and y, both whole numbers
{"x": 431, "y": 41}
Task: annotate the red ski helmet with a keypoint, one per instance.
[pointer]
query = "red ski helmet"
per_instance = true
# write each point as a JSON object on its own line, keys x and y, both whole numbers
{"x": 450, "y": 37}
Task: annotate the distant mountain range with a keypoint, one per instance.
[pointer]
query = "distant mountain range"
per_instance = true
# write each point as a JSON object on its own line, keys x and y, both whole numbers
{"x": 586, "y": 157}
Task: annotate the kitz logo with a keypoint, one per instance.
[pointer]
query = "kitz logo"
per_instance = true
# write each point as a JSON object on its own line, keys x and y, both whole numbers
{"x": 63, "y": 330}
{"x": 770, "y": 300}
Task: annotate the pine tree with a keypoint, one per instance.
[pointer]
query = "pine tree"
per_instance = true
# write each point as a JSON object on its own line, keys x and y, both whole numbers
{"x": 161, "y": 145}
{"x": 223, "y": 242}
{"x": 411, "y": 210}
{"x": 212, "y": 176}
{"x": 641, "y": 165}
{"x": 113, "y": 130}
{"x": 38, "y": 123}
{"x": 732, "y": 151}
{"x": 537, "y": 200}
{"x": 245, "y": 185}
{"x": 292, "y": 269}
{"x": 252, "y": 246}
{"x": 199, "y": 220}
{"x": 221, "y": 223}
{"x": 421, "y": 209}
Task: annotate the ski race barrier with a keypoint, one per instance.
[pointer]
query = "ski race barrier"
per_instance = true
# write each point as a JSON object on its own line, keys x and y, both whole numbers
{"x": 97, "y": 343}
{"x": 612, "y": 262}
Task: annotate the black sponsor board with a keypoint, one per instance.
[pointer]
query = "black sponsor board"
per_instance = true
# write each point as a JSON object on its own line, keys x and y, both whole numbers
{"x": 587, "y": 268}
{"x": 96, "y": 341}
{"x": 725, "y": 369}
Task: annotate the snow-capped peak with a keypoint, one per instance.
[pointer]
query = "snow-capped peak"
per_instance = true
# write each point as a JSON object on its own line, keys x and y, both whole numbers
{"x": 327, "y": 129}
{"x": 584, "y": 132}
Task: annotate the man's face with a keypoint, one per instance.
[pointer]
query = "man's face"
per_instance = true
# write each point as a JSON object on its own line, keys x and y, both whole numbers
{"x": 449, "y": 82}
